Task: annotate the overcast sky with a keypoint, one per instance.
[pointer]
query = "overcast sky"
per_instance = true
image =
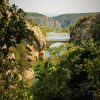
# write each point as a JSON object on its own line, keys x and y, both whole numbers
{"x": 53, "y": 7}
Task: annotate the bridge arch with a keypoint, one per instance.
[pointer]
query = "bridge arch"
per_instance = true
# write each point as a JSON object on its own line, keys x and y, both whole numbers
{"x": 56, "y": 44}
{"x": 57, "y": 39}
{"x": 51, "y": 43}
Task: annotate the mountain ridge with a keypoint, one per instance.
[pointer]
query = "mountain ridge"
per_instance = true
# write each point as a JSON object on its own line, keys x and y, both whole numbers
{"x": 60, "y": 21}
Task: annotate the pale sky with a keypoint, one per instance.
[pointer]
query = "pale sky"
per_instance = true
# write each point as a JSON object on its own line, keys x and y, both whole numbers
{"x": 53, "y": 7}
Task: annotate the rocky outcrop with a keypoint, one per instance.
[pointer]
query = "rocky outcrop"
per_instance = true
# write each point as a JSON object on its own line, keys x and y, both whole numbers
{"x": 61, "y": 21}
{"x": 86, "y": 28}
{"x": 47, "y": 21}
{"x": 19, "y": 30}
{"x": 43, "y": 20}
{"x": 33, "y": 55}
{"x": 36, "y": 50}
{"x": 28, "y": 74}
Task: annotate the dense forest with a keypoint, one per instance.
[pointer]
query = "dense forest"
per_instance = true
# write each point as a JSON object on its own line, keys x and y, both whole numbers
{"x": 71, "y": 72}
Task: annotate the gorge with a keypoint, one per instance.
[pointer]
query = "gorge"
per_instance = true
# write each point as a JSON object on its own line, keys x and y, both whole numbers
{"x": 61, "y": 21}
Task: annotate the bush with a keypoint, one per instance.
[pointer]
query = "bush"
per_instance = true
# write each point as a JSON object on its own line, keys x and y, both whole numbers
{"x": 72, "y": 75}
{"x": 12, "y": 31}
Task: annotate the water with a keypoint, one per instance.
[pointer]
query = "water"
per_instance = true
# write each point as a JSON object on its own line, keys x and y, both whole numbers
{"x": 56, "y": 33}
{"x": 53, "y": 36}
{"x": 47, "y": 53}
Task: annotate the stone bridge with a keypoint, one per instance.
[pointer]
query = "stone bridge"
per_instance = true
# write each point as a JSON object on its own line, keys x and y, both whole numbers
{"x": 52, "y": 39}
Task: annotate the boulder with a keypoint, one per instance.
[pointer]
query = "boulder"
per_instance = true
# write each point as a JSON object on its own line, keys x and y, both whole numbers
{"x": 29, "y": 74}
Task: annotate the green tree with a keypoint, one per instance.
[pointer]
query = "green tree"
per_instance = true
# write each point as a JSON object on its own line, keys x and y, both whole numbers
{"x": 72, "y": 72}
{"x": 12, "y": 31}
{"x": 86, "y": 28}
{"x": 69, "y": 75}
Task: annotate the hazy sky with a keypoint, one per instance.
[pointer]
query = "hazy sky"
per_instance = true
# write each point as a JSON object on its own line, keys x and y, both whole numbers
{"x": 52, "y": 7}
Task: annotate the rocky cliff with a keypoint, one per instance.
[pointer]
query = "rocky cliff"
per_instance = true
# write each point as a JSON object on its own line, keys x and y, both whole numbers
{"x": 36, "y": 50}
{"x": 37, "y": 47}
{"x": 61, "y": 21}
{"x": 16, "y": 32}
{"x": 43, "y": 20}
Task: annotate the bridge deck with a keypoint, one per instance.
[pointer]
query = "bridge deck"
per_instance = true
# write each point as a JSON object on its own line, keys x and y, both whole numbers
{"x": 58, "y": 38}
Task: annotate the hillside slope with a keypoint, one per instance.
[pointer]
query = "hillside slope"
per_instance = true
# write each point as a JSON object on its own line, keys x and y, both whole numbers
{"x": 42, "y": 20}
{"x": 69, "y": 19}
{"x": 86, "y": 28}
{"x": 61, "y": 21}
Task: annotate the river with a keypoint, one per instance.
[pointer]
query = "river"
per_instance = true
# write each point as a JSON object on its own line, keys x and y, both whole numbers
{"x": 61, "y": 36}
{"x": 56, "y": 36}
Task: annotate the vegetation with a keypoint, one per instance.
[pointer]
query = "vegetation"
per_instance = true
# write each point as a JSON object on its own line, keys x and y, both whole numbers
{"x": 45, "y": 30}
{"x": 72, "y": 72}
{"x": 21, "y": 56}
{"x": 12, "y": 31}
{"x": 31, "y": 14}
{"x": 61, "y": 21}
{"x": 85, "y": 28}
{"x": 67, "y": 20}
{"x": 69, "y": 75}
{"x": 42, "y": 20}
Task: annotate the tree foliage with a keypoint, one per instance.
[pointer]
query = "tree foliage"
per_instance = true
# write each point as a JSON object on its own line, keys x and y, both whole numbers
{"x": 86, "y": 28}
{"x": 12, "y": 31}
{"x": 71, "y": 75}
{"x": 72, "y": 72}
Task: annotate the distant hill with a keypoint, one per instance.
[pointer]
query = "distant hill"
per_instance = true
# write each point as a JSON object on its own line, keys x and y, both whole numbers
{"x": 61, "y": 21}
{"x": 86, "y": 28}
{"x": 69, "y": 19}
{"x": 31, "y": 14}
{"x": 43, "y": 20}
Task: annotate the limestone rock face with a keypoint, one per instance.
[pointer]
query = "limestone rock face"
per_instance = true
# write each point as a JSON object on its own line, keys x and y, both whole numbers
{"x": 40, "y": 37}
{"x": 36, "y": 50}
{"x": 28, "y": 74}
{"x": 33, "y": 55}
{"x": 43, "y": 20}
